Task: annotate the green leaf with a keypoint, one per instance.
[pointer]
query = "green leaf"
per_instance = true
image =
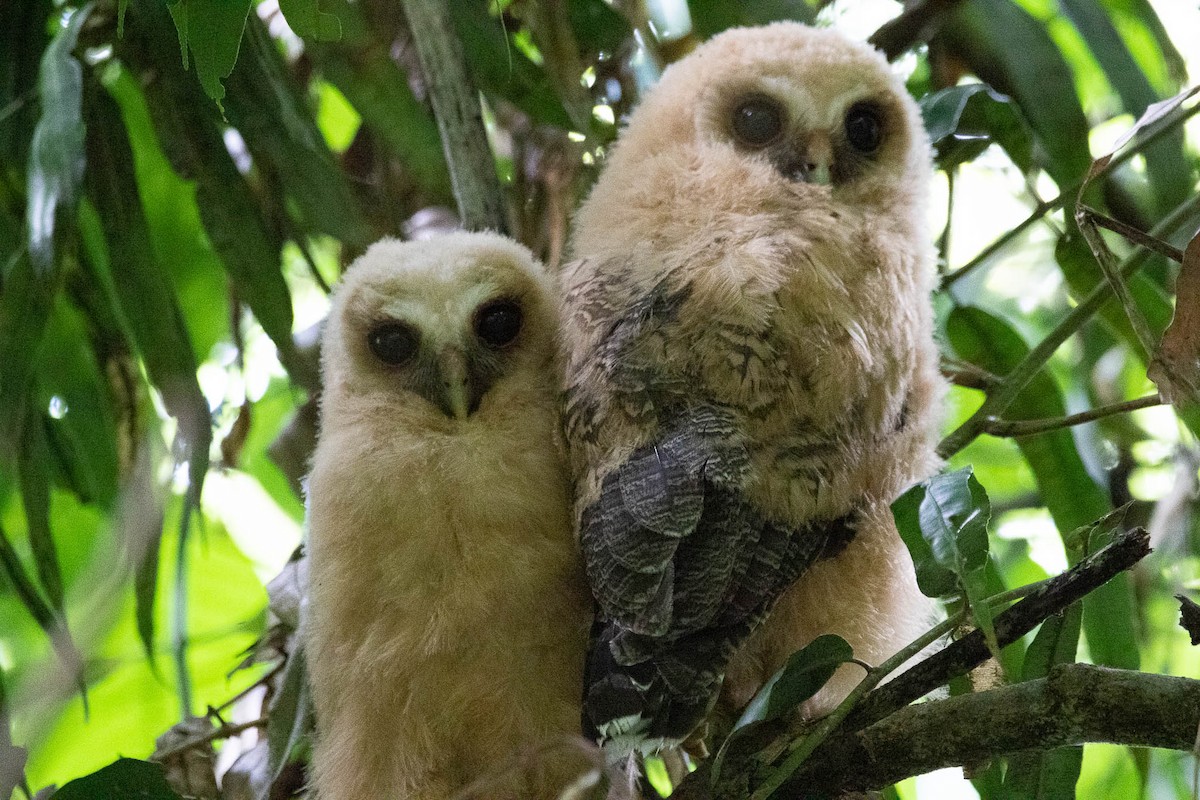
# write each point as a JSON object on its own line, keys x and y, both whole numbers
{"x": 1012, "y": 52}
{"x": 1171, "y": 176}
{"x": 35, "y": 469}
{"x": 800, "y": 678}
{"x": 710, "y": 17}
{"x": 933, "y": 579}
{"x": 308, "y": 21}
{"x": 142, "y": 291}
{"x": 212, "y": 31}
{"x": 963, "y": 120}
{"x": 290, "y": 717}
{"x": 1068, "y": 491}
{"x": 56, "y": 156}
{"x": 501, "y": 70}
{"x": 12, "y": 758}
{"x": 264, "y": 105}
{"x": 124, "y": 779}
{"x": 597, "y": 27}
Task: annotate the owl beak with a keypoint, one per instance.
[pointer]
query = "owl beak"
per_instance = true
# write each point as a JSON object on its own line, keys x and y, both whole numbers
{"x": 812, "y": 162}
{"x": 455, "y": 389}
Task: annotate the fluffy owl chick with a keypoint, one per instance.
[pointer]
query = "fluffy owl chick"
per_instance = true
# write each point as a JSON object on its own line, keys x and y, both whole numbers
{"x": 448, "y": 609}
{"x": 751, "y": 375}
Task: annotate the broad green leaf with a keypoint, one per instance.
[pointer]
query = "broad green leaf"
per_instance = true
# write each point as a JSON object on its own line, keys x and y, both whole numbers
{"x": 56, "y": 154}
{"x": 35, "y": 469}
{"x": 211, "y": 30}
{"x": 1068, "y": 491}
{"x": 265, "y": 106}
{"x": 963, "y": 120}
{"x": 290, "y": 716}
{"x": 933, "y": 579}
{"x": 308, "y": 21}
{"x": 502, "y": 70}
{"x": 710, "y": 17}
{"x": 23, "y": 38}
{"x": 124, "y": 779}
{"x": 800, "y": 678}
{"x": 1150, "y": 43}
{"x": 359, "y": 66}
{"x": 1012, "y": 52}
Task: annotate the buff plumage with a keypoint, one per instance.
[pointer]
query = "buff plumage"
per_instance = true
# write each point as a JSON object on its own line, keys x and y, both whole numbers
{"x": 449, "y": 613}
{"x": 751, "y": 376}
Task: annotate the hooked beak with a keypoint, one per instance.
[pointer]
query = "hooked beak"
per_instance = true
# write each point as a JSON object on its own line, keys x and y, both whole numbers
{"x": 455, "y": 389}
{"x": 812, "y": 162}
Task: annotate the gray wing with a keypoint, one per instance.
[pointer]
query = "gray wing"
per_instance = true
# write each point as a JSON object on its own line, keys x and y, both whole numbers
{"x": 684, "y": 569}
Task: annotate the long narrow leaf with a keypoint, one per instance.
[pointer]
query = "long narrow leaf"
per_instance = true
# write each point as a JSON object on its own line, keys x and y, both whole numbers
{"x": 34, "y": 468}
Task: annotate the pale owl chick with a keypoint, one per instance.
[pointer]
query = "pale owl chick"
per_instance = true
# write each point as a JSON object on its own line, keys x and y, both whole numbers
{"x": 448, "y": 609}
{"x": 751, "y": 376}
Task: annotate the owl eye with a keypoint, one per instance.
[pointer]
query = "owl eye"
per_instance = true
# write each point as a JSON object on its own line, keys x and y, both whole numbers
{"x": 864, "y": 128}
{"x": 758, "y": 121}
{"x": 393, "y": 343}
{"x": 498, "y": 323}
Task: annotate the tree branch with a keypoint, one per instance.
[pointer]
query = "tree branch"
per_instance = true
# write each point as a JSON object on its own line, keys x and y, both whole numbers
{"x": 459, "y": 116}
{"x": 1075, "y": 704}
{"x": 913, "y": 25}
{"x": 1027, "y": 427}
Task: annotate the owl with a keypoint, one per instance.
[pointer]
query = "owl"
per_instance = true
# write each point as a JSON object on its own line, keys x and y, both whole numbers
{"x": 751, "y": 377}
{"x": 448, "y": 611}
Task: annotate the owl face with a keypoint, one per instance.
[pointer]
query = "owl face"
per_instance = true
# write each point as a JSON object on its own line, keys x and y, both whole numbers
{"x": 823, "y": 112}
{"x": 439, "y": 323}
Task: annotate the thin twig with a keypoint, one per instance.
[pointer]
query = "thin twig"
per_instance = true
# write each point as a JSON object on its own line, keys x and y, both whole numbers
{"x": 1001, "y": 427}
{"x": 1023, "y": 373}
{"x": 967, "y": 375}
{"x": 224, "y": 731}
{"x": 1165, "y": 249}
{"x": 1061, "y": 199}
{"x": 1112, "y": 273}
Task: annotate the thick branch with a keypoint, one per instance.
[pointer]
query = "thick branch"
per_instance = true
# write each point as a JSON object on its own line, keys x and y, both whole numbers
{"x": 459, "y": 116}
{"x": 1077, "y": 703}
{"x": 970, "y": 651}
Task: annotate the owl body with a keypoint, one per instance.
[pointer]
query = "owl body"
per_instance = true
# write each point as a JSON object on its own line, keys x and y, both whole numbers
{"x": 448, "y": 610}
{"x": 785, "y": 286}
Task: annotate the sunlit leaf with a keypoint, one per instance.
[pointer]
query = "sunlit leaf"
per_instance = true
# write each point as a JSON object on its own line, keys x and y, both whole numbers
{"x": 124, "y": 779}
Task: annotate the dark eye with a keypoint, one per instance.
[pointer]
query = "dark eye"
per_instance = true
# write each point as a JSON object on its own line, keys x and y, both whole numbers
{"x": 758, "y": 121}
{"x": 393, "y": 343}
{"x": 497, "y": 324}
{"x": 864, "y": 128}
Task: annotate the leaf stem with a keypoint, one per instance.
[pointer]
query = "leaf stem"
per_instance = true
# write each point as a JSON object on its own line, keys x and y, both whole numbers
{"x": 1000, "y": 427}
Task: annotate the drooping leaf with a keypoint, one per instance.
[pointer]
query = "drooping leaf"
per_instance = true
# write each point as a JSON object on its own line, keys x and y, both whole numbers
{"x": 211, "y": 31}
{"x": 35, "y": 469}
{"x": 710, "y": 17}
{"x": 1012, "y": 52}
{"x": 279, "y": 130}
{"x": 56, "y": 154}
{"x": 933, "y": 579}
{"x": 800, "y": 678}
{"x": 963, "y": 120}
{"x": 308, "y": 21}
{"x": 1071, "y": 496}
{"x": 124, "y": 779}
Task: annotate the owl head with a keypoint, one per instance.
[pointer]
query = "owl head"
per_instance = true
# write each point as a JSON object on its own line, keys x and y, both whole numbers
{"x": 439, "y": 327}
{"x": 779, "y": 115}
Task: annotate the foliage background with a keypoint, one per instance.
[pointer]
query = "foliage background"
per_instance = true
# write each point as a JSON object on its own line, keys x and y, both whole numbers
{"x": 168, "y": 236}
